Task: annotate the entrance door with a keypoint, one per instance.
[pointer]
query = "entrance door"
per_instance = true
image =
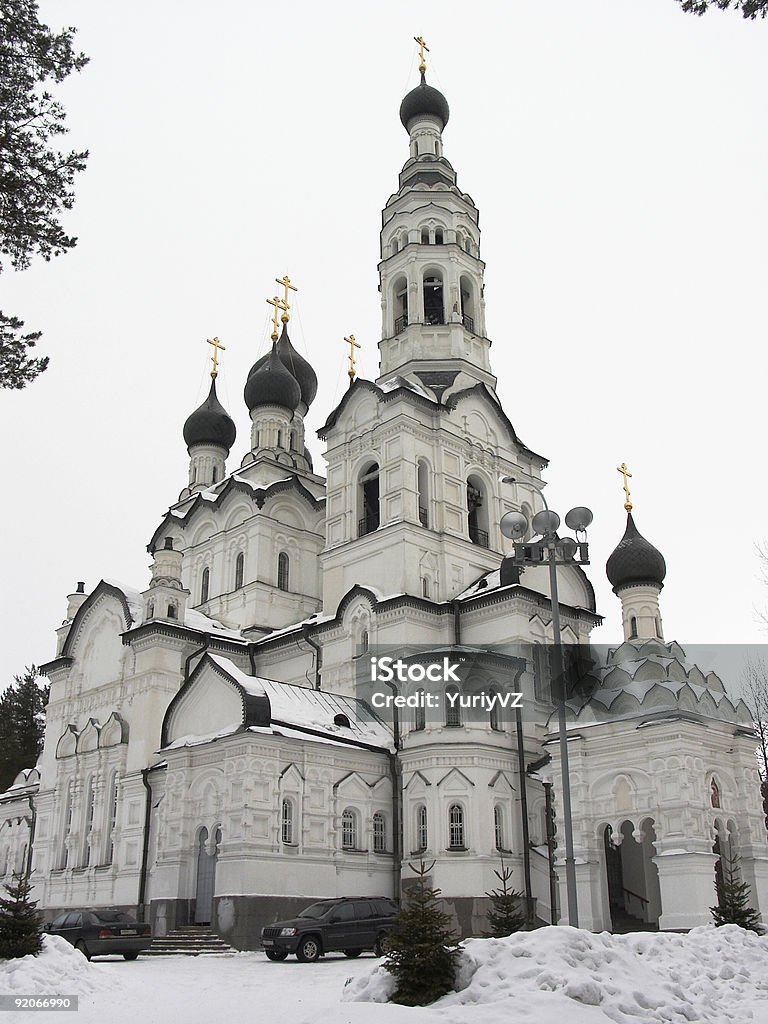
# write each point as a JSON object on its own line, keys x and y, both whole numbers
{"x": 206, "y": 877}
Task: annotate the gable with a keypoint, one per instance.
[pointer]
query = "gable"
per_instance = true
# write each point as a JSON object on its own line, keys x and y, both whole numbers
{"x": 210, "y": 705}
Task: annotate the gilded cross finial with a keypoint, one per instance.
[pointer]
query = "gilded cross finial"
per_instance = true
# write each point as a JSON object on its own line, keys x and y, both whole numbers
{"x": 352, "y": 372}
{"x": 215, "y": 357}
{"x": 422, "y": 49}
{"x": 625, "y": 473}
{"x": 278, "y": 304}
{"x": 285, "y": 283}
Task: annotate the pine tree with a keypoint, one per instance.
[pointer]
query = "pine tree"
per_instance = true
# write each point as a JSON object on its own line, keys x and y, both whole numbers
{"x": 20, "y": 928}
{"x": 504, "y": 916}
{"x": 22, "y": 725}
{"x": 733, "y": 897}
{"x": 422, "y": 949}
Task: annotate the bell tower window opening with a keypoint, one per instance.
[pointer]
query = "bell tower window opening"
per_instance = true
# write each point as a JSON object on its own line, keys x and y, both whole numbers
{"x": 467, "y": 305}
{"x": 283, "y": 570}
{"x": 205, "y": 584}
{"x": 477, "y": 512}
{"x": 425, "y": 236}
{"x": 438, "y": 236}
{"x": 369, "y": 518}
{"x": 422, "y": 484}
{"x": 400, "y": 304}
{"x": 395, "y": 245}
{"x": 632, "y": 627}
{"x": 239, "y": 570}
{"x": 433, "y": 299}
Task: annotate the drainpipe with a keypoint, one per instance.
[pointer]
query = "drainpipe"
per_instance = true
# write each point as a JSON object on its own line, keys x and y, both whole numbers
{"x": 32, "y": 823}
{"x": 318, "y": 655}
{"x": 456, "y": 623}
{"x": 145, "y": 839}
{"x": 194, "y": 654}
{"x": 396, "y": 770}
{"x": 524, "y": 816}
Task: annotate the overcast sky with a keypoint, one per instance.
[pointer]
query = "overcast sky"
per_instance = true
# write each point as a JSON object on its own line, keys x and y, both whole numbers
{"x": 617, "y": 151}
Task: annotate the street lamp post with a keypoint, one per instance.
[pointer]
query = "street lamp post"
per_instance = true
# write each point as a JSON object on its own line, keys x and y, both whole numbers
{"x": 555, "y": 551}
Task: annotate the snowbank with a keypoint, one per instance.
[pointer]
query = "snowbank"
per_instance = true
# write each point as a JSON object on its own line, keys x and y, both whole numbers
{"x": 59, "y": 970}
{"x": 710, "y": 976}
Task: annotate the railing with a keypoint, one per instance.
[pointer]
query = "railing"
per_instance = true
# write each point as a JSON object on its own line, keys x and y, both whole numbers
{"x": 423, "y": 518}
{"x": 636, "y": 896}
{"x": 367, "y": 525}
{"x": 479, "y": 537}
{"x": 468, "y": 322}
{"x": 401, "y": 322}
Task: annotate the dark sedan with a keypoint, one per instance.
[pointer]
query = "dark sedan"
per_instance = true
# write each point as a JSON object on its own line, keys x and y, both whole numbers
{"x": 98, "y": 932}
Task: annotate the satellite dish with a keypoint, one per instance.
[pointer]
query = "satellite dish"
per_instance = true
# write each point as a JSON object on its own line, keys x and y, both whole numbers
{"x": 546, "y": 522}
{"x": 578, "y": 519}
{"x": 514, "y": 525}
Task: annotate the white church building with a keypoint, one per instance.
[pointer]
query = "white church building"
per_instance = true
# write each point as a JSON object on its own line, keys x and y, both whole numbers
{"x": 211, "y": 752}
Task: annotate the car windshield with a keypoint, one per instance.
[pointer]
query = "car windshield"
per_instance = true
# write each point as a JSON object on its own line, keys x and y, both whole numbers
{"x": 318, "y": 910}
{"x": 113, "y": 917}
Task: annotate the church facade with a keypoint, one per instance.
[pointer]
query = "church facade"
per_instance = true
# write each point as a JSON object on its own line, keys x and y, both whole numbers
{"x": 213, "y": 749}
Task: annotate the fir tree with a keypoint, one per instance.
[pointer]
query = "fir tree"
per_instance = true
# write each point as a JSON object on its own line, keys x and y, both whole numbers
{"x": 20, "y": 929}
{"x": 22, "y": 725}
{"x": 504, "y": 916}
{"x": 422, "y": 949}
{"x": 733, "y": 897}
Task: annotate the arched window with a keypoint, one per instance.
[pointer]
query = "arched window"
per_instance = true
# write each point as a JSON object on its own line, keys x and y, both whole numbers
{"x": 368, "y": 500}
{"x": 456, "y": 827}
{"x": 400, "y": 303}
{"x": 438, "y": 236}
{"x": 422, "y": 836}
{"x": 452, "y": 708}
{"x": 90, "y": 807}
{"x": 658, "y": 627}
{"x": 425, "y": 587}
{"x": 419, "y": 714}
{"x": 112, "y": 818}
{"x": 68, "y": 813}
{"x": 467, "y": 304}
{"x": 714, "y": 793}
{"x": 632, "y": 627}
{"x": 151, "y": 610}
{"x": 425, "y": 236}
{"x": 460, "y": 239}
{"x": 205, "y": 582}
{"x": 349, "y": 829}
{"x": 279, "y": 439}
{"x": 477, "y": 512}
{"x": 286, "y": 821}
{"x": 171, "y": 611}
{"x": 468, "y": 245}
{"x": 422, "y": 484}
{"x": 283, "y": 569}
{"x": 379, "y": 833}
{"x": 364, "y": 641}
{"x": 498, "y": 827}
{"x": 395, "y": 245}
{"x": 494, "y": 719}
{"x": 215, "y": 475}
{"x": 433, "y": 298}
{"x": 239, "y": 570}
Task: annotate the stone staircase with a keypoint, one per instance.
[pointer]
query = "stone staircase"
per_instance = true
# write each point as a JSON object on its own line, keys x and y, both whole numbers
{"x": 189, "y": 940}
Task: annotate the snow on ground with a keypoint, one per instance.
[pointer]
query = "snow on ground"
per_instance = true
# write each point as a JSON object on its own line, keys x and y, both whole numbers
{"x": 552, "y": 976}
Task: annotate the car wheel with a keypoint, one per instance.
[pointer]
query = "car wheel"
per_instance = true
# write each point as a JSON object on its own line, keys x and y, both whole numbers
{"x": 352, "y": 953}
{"x": 379, "y": 948}
{"x": 83, "y": 949}
{"x": 276, "y": 954}
{"x": 309, "y": 950}
{"x": 130, "y": 956}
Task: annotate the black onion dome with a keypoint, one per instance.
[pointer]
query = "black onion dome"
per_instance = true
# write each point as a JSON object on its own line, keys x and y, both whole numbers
{"x": 271, "y": 383}
{"x": 424, "y": 100}
{"x": 210, "y": 424}
{"x": 634, "y": 560}
{"x": 296, "y": 364}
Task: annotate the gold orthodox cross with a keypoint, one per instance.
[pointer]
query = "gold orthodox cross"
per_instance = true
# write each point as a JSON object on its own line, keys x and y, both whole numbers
{"x": 351, "y": 372}
{"x": 215, "y": 357}
{"x": 285, "y": 282}
{"x": 278, "y": 304}
{"x": 625, "y": 473}
{"x": 422, "y": 47}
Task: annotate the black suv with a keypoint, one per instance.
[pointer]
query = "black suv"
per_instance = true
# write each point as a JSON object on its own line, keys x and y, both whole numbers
{"x": 348, "y": 924}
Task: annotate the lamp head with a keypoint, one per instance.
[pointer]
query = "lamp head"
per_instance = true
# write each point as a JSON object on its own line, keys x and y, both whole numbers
{"x": 513, "y": 525}
{"x": 546, "y": 523}
{"x": 578, "y": 519}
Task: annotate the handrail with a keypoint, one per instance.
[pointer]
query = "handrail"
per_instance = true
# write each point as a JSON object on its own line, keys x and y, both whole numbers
{"x": 636, "y": 895}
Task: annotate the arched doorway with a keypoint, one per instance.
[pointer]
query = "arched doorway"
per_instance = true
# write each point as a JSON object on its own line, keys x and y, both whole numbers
{"x": 206, "y": 876}
{"x": 634, "y": 895}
